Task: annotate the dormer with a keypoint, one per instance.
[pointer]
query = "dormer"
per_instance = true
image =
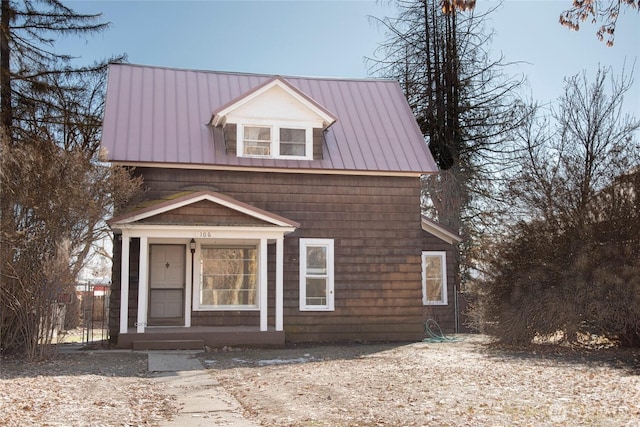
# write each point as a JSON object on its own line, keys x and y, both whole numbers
{"x": 275, "y": 120}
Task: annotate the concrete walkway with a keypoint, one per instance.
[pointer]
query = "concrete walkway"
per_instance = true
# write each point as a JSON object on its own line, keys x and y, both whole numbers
{"x": 202, "y": 400}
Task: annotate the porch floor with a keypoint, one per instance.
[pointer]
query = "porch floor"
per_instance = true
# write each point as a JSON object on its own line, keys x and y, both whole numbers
{"x": 196, "y": 337}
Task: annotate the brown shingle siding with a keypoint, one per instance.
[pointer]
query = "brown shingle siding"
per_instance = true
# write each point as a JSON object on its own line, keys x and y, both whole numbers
{"x": 230, "y": 138}
{"x": 318, "y": 143}
{"x": 378, "y": 241}
{"x": 376, "y": 229}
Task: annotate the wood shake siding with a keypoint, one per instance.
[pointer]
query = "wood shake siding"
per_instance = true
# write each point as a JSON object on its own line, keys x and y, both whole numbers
{"x": 230, "y": 138}
{"x": 318, "y": 141}
{"x": 376, "y": 226}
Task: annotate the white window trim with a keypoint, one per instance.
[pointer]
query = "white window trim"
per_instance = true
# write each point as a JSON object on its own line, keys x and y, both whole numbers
{"x": 328, "y": 243}
{"x": 198, "y": 284}
{"x": 262, "y": 141}
{"x": 275, "y": 139}
{"x": 443, "y": 263}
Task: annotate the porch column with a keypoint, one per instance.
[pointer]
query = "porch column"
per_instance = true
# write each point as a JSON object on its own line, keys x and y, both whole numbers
{"x": 124, "y": 283}
{"x": 279, "y": 276}
{"x": 143, "y": 287}
{"x": 263, "y": 284}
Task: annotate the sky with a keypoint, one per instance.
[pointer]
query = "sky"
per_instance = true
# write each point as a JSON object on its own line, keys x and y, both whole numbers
{"x": 332, "y": 38}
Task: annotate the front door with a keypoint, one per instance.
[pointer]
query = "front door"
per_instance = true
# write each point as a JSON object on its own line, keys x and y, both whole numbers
{"x": 166, "y": 285}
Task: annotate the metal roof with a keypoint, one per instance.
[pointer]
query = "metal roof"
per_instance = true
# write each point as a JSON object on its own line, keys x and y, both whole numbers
{"x": 161, "y": 115}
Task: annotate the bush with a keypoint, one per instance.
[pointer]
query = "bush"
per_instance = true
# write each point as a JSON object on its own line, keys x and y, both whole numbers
{"x": 549, "y": 283}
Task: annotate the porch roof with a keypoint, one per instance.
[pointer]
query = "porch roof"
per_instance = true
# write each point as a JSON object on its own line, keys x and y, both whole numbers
{"x": 440, "y": 231}
{"x": 178, "y": 200}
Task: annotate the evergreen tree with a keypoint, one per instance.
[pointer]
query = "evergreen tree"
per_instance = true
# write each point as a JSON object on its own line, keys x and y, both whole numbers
{"x": 55, "y": 190}
{"x": 465, "y": 106}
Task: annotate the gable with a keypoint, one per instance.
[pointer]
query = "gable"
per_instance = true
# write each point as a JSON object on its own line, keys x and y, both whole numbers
{"x": 201, "y": 208}
{"x": 275, "y": 105}
{"x": 162, "y": 116}
{"x": 206, "y": 213}
{"x": 274, "y": 101}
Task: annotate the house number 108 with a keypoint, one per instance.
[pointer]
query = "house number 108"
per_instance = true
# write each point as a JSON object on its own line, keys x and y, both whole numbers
{"x": 205, "y": 234}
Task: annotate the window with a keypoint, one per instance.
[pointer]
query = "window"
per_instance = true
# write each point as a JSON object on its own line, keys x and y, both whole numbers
{"x": 257, "y": 141}
{"x": 275, "y": 142}
{"x": 316, "y": 275}
{"x": 292, "y": 142}
{"x": 228, "y": 277}
{"x": 434, "y": 278}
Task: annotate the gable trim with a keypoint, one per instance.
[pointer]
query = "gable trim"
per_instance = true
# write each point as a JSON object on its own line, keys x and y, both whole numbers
{"x": 440, "y": 231}
{"x": 211, "y": 196}
{"x": 218, "y": 115}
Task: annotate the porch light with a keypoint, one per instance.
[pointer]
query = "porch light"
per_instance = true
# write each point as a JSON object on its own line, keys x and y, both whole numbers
{"x": 192, "y": 246}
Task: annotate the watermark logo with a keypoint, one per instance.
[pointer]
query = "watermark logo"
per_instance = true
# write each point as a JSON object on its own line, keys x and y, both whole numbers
{"x": 558, "y": 412}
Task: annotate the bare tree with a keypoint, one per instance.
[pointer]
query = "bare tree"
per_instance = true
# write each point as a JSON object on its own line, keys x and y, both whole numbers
{"x": 55, "y": 190}
{"x": 603, "y": 11}
{"x": 590, "y": 146}
{"x": 570, "y": 265}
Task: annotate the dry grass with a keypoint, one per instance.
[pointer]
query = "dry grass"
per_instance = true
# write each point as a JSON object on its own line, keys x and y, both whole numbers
{"x": 462, "y": 383}
{"x": 82, "y": 389}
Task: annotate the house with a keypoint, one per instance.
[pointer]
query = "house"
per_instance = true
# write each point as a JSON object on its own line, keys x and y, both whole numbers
{"x": 277, "y": 209}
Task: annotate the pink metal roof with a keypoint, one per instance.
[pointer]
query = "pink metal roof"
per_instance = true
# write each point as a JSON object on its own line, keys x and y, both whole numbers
{"x": 160, "y": 115}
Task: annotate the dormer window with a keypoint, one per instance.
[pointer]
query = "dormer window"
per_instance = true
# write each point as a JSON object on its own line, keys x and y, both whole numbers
{"x": 276, "y": 141}
{"x": 274, "y": 120}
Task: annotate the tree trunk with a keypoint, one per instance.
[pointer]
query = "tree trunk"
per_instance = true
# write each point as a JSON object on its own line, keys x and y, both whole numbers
{"x": 6, "y": 114}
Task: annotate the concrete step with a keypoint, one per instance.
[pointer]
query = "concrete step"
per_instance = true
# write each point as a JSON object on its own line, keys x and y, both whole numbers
{"x": 168, "y": 345}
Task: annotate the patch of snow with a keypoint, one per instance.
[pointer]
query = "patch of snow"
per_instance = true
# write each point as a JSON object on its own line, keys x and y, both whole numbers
{"x": 285, "y": 361}
{"x": 268, "y": 362}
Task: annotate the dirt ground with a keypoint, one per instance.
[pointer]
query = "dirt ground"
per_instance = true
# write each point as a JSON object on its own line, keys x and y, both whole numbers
{"x": 84, "y": 388}
{"x": 461, "y": 383}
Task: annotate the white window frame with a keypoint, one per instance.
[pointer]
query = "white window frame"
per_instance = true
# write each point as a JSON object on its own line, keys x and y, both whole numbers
{"x": 328, "y": 244}
{"x": 275, "y": 139}
{"x": 197, "y": 306}
{"x": 307, "y": 141}
{"x": 443, "y": 264}
{"x": 270, "y": 141}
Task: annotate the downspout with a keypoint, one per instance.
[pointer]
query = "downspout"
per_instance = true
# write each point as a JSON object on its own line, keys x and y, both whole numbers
{"x": 456, "y": 308}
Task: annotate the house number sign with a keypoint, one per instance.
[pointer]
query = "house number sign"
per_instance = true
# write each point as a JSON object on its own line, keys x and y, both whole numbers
{"x": 204, "y": 234}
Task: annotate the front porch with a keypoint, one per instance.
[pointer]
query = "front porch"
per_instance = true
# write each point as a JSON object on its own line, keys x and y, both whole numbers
{"x": 200, "y": 259}
{"x": 196, "y": 337}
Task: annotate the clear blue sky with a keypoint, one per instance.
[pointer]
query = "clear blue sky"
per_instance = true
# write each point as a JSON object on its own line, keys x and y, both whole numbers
{"x": 331, "y": 38}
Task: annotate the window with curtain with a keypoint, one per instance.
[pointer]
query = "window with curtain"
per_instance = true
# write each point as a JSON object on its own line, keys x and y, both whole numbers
{"x": 434, "y": 278}
{"x": 229, "y": 277}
